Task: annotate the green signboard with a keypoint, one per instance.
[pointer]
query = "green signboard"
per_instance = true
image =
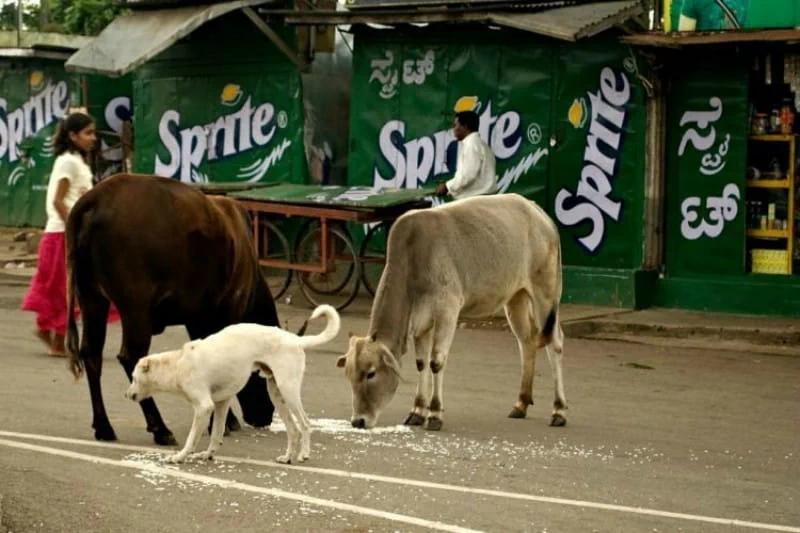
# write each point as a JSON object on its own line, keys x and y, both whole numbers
{"x": 714, "y": 15}
{"x": 221, "y": 110}
{"x": 706, "y": 157}
{"x": 33, "y": 97}
{"x": 541, "y": 106}
{"x": 404, "y": 94}
{"x": 243, "y": 128}
{"x": 597, "y": 165}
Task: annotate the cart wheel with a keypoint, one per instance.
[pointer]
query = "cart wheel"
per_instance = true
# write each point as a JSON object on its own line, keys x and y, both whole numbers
{"x": 325, "y": 283}
{"x": 339, "y": 287}
{"x": 313, "y": 224}
{"x": 373, "y": 256}
{"x": 274, "y": 245}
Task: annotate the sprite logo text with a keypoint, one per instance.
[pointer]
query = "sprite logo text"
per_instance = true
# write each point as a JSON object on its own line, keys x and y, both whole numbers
{"x": 592, "y": 199}
{"x": 33, "y": 116}
{"x": 415, "y": 161}
{"x": 249, "y": 127}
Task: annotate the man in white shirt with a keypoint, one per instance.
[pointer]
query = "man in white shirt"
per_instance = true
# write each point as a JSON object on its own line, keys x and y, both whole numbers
{"x": 475, "y": 167}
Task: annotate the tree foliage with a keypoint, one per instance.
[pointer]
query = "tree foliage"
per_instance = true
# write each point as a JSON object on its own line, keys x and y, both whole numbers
{"x": 78, "y": 17}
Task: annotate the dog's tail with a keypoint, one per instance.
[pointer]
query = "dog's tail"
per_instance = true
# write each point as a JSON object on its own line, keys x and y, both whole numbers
{"x": 330, "y": 331}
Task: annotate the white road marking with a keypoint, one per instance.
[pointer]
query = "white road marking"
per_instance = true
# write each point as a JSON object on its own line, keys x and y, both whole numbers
{"x": 230, "y": 484}
{"x": 431, "y": 485}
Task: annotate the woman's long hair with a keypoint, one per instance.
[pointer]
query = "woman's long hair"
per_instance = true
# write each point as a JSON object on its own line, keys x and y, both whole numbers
{"x": 73, "y": 123}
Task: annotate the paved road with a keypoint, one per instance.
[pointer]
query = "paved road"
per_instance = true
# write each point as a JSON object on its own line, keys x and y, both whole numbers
{"x": 658, "y": 439}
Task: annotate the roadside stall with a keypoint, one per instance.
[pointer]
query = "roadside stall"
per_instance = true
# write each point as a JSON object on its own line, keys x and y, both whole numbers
{"x": 35, "y": 92}
{"x": 731, "y": 203}
{"x": 562, "y": 104}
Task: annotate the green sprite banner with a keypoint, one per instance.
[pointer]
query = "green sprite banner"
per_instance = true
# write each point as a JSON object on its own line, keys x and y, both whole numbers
{"x": 221, "y": 128}
{"x": 402, "y": 111}
{"x": 706, "y": 157}
{"x": 597, "y": 163}
{"x": 32, "y": 100}
{"x": 541, "y": 106}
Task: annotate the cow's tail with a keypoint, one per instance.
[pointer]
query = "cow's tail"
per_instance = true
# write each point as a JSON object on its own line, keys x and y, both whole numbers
{"x": 551, "y": 332}
{"x": 74, "y": 242}
{"x": 330, "y": 331}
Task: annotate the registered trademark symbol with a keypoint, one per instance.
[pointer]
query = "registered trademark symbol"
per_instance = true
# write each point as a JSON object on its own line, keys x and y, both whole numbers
{"x": 283, "y": 119}
{"x": 534, "y": 133}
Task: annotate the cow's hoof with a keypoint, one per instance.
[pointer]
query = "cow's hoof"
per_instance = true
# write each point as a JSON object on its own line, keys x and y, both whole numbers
{"x": 105, "y": 433}
{"x": 558, "y": 420}
{"x": 517, "y": 413}
{"x": 434, "y": 424}
{"x": 414, "y": 419}
{"x": 164, "y": 438}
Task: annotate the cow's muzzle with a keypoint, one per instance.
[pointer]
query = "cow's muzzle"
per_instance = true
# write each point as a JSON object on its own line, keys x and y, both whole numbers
{"x": 359, "y": 423}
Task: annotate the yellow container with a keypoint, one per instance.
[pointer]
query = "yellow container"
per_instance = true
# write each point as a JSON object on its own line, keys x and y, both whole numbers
{"x": 770, "y": 261}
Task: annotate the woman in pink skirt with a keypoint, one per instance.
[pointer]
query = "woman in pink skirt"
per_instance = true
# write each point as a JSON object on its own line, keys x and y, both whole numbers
{"x": 70, "y": 178}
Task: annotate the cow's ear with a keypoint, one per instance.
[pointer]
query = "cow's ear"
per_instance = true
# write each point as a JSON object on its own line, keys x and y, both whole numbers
{"x": 145, "y": 364}
{"x": 350, "y": 334}
{"x": 341, "y": 361}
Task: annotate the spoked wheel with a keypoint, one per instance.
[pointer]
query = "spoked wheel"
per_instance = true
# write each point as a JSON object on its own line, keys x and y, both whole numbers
{"x": 274, "y": 246}
{"x": 339, "y": 285}
{"x": 373, "y": 256}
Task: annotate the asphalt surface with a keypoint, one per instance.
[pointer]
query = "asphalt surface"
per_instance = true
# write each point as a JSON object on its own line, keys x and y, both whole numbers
{"x": 658, "y": 439}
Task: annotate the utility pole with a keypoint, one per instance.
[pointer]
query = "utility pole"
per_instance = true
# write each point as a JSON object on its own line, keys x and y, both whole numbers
{"x": 19, "y": 23}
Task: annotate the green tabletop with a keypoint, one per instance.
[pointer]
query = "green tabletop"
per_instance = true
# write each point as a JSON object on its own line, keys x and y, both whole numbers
{"x": 335, "y": 195}
{"x": 229, "y": 187}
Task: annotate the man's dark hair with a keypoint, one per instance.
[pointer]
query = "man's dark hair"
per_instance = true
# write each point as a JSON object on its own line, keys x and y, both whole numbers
{"x": 469, "y": 119}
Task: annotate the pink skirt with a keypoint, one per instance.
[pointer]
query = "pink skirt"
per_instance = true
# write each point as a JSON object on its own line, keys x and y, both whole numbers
{"x": 47, "y": 296}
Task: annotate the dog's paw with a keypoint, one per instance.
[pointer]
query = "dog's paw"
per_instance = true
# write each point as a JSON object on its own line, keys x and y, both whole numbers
{"x": 174, "y": 458}
{"x": 284, "y": 459}
{"x": 202, "y": 456}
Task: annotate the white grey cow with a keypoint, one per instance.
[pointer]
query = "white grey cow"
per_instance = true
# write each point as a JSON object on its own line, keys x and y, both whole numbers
{"x": 469, "y": 258}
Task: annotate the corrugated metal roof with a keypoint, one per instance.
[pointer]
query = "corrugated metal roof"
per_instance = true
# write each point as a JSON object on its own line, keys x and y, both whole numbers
{"x": 574, "y": 22}
{"x": 357, "y": 5}
{"x": 566, "y": 23}
{"x": 133, "y": 39}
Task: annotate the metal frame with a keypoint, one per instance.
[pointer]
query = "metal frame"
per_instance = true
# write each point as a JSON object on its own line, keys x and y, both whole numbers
{"x": 324, "y": 214}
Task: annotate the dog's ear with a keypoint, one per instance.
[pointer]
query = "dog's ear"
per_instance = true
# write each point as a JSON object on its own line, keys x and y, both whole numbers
{"x": 145, "y": 365}
{"x": 341, "y": 361}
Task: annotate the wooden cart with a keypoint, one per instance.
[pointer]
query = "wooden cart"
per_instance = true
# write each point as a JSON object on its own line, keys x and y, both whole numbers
{"x": 330, "y": 263}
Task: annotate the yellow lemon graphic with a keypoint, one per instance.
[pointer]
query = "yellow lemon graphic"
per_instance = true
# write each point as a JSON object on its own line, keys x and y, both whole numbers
{"x": 577, "y": 113}
{"x": 231, "y": 94}
{"x": 467, "y": 103}
{"x": 37, "y": 79}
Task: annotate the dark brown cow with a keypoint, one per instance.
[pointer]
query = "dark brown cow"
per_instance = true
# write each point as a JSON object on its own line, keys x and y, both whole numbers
{"x": 165, "y": 254}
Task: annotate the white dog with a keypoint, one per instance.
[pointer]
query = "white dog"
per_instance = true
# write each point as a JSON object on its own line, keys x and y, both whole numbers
{"x": 209, "y": 373}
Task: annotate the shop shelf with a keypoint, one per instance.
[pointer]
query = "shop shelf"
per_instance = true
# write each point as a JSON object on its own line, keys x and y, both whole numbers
{"x": 768, "y": 233}
{"x": 769, "y": 184}
{"x": 772, "y": 138}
